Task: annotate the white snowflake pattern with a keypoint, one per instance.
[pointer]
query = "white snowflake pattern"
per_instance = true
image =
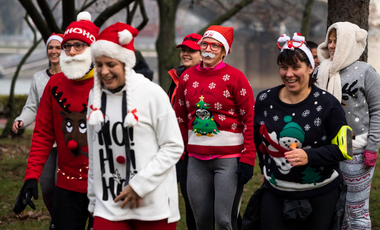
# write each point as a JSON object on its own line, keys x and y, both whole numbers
{"x": 316, "y": 94}
{"x": 212, "y": 85}
{"x": 185, "y": 92}
{"x": 265, "y": 113}
{"x": 231, "y": 111}
{"x": 317, "y": 121}
{"x": 319, "y": 108}
{"x": 233, "y": 126}
{"x": 306, "y": 127}
{"x": 242, "y": 112}
{"x": 195, "y": 84}
{"x": 187, "y": 104}
{"x": 324, "y": 138}
{"x": 218, "y": 106}
{"x": 222, "y": 117}
{"x": 306, "y": 113}
{"x": 180, "y": 102}
{"x": 262, "y": 122}
{"x": 189, "y": 116}
{"x": 263, "y": 96}
{"x": 243, "y": 92}
{"x": 186, "y": 77}
{"x": 226, "y": 77}
{"x": 275, "y": 118}
{"x": 180, "y": 120}
{"x": 226, "y": 93}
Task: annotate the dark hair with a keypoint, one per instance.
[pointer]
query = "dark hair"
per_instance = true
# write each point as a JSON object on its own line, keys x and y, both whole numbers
{"x": 291, "y": 57}
{"x": 311, "y": 44}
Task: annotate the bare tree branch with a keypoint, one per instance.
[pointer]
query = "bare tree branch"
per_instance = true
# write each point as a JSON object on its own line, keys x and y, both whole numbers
{"x": 143, "y": 14}
{"x": 86, "y": 5}
{"x": 48, "y": 15}
{"x": 111, "y": 10}
{"x": 36, "y": 17}
{"x": 68, "y": 12}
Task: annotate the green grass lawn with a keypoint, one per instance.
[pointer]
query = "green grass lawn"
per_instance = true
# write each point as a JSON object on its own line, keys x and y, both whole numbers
{"x": 13, "y": 159}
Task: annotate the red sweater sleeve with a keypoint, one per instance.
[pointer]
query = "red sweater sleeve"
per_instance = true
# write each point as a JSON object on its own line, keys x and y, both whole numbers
{"x": 181, "y": 112}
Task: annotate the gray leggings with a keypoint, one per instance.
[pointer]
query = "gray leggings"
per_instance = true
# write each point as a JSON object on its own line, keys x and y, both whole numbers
{"x": 48, "y": 179}
{"x": 214, "y": 192}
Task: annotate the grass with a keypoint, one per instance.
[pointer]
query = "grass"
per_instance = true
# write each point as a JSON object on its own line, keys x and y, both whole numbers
{"x": 13, "y": 159}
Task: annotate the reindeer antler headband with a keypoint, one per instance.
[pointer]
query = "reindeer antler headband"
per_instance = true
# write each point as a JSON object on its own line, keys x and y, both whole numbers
{"x": 297, "y": 42}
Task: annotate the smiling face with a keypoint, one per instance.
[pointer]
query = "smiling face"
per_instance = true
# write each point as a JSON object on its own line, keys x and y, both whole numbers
{"x": 110, "y": 71}
{"x": 190, "y": 57}
{"x": 219, "y": 54}
{"x": 332, "y": 43}
{"x": 54, "y": 51}
{"x": 296, "y": 77}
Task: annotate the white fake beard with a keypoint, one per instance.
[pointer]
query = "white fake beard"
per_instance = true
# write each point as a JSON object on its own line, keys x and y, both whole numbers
{"x": 208, "y": 54}
{"x": 76, "y": 67}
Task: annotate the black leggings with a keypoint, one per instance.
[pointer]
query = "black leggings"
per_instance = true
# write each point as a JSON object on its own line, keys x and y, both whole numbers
{"x": 320, "y": 218}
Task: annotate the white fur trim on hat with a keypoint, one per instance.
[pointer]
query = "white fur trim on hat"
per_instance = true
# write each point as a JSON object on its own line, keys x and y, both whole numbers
{"x": 217, "y": 36}
{"x": 54, "y": 37}
{"x": 84, "y": 16}
{"x": 113, "y": 50}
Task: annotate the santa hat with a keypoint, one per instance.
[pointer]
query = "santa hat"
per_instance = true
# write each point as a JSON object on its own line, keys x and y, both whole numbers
{"x": 224, "y": 35}
{"x": 191, "y": 41}
{"x": 82, "y": 29}
{"x": 115, "y": 41}
{"x": 54, "y": 36}
{"x": 298, "y": 41}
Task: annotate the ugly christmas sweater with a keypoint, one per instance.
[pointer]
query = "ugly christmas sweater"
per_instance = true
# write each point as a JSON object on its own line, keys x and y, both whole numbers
{"x": 155, "y": 147}
{"x": 215, "y": 112}
{"x": 61, "y": 117}
{"x": 311, "y": 124}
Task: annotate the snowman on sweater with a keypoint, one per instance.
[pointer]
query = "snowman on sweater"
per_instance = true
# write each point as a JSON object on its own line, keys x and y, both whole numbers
{"x": 291, "y": 133}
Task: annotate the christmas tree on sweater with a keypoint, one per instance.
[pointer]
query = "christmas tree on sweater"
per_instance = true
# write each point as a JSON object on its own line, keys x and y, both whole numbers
{"x": 204, "y": 123}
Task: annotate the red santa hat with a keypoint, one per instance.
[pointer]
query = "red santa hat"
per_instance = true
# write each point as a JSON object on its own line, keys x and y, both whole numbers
{"x": 223, "y": 34}
{"x": 54, "y": 36}
{"x": 82, "y": 29}
{"x": 115, "y": 41}
{"x": 191, "y": 41}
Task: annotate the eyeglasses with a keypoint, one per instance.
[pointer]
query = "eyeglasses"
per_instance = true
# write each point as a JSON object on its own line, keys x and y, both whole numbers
{"x": 214, "y": 46}
{"x": 78, "y": 46}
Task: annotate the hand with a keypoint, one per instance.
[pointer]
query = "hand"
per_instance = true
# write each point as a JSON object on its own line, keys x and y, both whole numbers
{"x": 369, "y": 158}
{"x": 24, "y": 198}
{"x": 16, "y": 125}
{"x": 245, "y": 172}
{"x": 296, "y": 157}
{"x": 129, "y": 195}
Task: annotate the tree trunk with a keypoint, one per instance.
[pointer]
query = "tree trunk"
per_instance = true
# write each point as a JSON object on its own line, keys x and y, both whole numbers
{"x": 168, "y": 55}
{"x": 354, "y": 11}
{"x": 306, "y": 18}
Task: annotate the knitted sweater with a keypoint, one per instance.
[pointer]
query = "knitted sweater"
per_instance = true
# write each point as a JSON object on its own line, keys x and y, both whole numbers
{"x": 29, "y": 111}
{"x": 215, "y": 112}
{"x": 61, "y": 117}
{"x": 311, "y": 124}
{"x": 155, "y": 147}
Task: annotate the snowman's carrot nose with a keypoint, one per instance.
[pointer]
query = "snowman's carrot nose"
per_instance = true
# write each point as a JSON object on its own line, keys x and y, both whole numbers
{"x": 294, "y": 145}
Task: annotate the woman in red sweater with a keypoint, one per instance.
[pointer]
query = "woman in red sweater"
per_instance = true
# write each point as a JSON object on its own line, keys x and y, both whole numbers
{"x": 214, "y": 107}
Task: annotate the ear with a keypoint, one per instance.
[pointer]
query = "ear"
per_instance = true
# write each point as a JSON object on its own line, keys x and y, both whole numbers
{"x": 310, "y": 69}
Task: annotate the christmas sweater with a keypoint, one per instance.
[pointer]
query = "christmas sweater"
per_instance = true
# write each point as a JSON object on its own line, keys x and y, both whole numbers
{"x": 29, "y": 111}
{"x": 61, "y": 117}
{"x": 311, "y": 124}
{"x": 155, "y": 147}
{"x": 215, "y": 111}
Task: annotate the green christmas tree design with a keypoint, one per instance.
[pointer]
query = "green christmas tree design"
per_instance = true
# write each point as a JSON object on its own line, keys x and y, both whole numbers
{"x": 273, "y": 179}
{"x": 311, "y": 176}
{"x": 204, "y": 123}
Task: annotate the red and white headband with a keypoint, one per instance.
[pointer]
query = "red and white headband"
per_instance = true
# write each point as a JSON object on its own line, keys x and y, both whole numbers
{"x": 297, "y": 42}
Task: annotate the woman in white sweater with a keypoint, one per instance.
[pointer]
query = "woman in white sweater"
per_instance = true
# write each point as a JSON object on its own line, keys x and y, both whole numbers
{"x": 134, "y": 141}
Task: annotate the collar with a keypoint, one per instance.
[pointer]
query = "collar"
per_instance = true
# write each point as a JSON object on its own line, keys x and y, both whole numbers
{"x": 89, "y": 74}
{"x": 217, "y": 67}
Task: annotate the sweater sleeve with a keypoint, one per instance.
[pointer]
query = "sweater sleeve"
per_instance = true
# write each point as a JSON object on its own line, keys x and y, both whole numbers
{"x": 244, "y": 100}
{"x": 372, "y": 86}
{"x": 257, "y": 137}
{"x": 181, "y": 111}
{"x": 170, "y": 148}
{"x": 90, "y": 177}
{"x": 329, "y": 154}
{"x": 43, "y": 137}
{"x": 29, "y": 111}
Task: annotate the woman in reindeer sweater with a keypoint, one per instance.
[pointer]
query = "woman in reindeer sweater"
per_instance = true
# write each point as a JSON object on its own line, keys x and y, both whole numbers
{"x": 134, "y": 141}
{"x": 214, "y": 107}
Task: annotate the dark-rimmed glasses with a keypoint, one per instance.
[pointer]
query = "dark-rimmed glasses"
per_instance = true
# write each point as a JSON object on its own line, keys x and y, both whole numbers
{"x": 214, "y": 46}
{"x": 78, "y": 46}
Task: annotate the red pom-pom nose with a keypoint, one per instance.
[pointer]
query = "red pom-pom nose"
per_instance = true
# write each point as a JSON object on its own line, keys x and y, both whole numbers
{"x": 72, "y": 144}
{"x": 120, "y": 159}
